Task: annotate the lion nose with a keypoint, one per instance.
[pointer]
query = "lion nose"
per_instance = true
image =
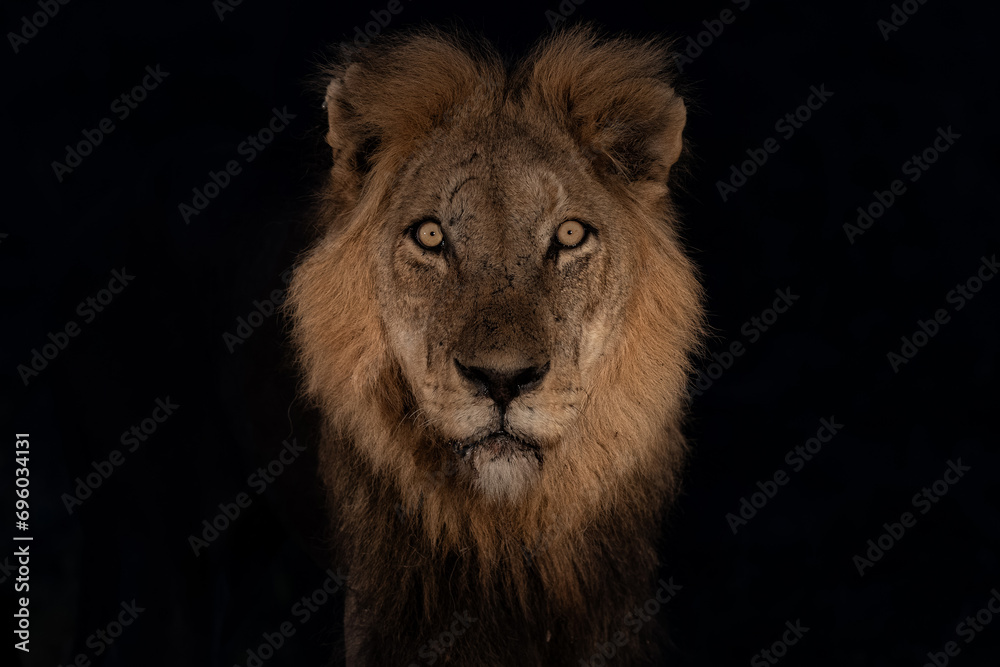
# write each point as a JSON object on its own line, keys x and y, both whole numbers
{"x": 500, "y": 385}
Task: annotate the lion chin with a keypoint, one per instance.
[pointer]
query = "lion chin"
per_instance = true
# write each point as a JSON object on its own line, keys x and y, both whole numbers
{"x": 499, "y": 466}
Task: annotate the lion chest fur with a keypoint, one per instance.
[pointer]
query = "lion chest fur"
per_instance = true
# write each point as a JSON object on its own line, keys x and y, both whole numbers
{"x": 495, "y": 325}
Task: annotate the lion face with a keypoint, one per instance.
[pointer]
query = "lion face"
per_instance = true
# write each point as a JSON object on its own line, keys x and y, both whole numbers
{"x": 499, "y": 293}
{"x": 501, "y": 280}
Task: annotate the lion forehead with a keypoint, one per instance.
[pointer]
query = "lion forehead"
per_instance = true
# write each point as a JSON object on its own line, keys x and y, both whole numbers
{"x": 504, "y": 190}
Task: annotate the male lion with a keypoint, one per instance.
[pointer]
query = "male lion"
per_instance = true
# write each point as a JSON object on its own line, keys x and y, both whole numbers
{"x": 496, "y": 326}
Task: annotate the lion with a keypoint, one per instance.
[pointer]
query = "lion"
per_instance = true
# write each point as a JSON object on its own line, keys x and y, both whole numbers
{"x": 496, "y": 325}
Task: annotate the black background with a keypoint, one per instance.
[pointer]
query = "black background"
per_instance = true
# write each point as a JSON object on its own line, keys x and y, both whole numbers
{"x": 827, "y": 356}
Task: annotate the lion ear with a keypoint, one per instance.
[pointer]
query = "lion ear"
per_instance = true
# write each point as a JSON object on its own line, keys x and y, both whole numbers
{"x": 615, "y": 96}
{"x": 391, "y": 94}
{"x": 349, "y": 140}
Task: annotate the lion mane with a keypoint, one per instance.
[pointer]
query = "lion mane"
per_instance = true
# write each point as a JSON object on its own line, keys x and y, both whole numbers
{"x": 438, "y": 570}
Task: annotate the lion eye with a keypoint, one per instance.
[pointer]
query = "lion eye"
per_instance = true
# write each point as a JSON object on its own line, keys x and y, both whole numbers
{"x": 429, "y": 234}
{"x": 571, "y": 233}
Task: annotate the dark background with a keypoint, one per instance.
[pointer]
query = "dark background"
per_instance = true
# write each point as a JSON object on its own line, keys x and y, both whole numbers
{"x": 162, "y": 336}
